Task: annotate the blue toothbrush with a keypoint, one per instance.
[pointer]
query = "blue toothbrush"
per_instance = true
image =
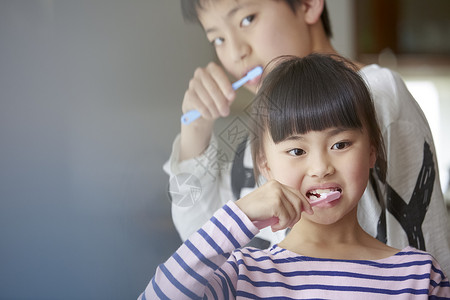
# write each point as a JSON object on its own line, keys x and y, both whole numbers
{"x": 193, "y": 115}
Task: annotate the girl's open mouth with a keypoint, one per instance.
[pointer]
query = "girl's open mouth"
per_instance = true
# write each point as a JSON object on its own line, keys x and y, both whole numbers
{"x": 323, "y": 195}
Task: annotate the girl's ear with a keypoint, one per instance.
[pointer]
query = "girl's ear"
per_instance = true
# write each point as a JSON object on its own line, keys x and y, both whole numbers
{"x": 263, "y": 167}
{"x": 313, "y": 10}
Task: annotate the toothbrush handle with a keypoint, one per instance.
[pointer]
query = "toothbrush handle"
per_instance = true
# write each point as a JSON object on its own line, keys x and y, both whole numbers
{"x": 240, "y": 82}
{"x": 190, "y": 117}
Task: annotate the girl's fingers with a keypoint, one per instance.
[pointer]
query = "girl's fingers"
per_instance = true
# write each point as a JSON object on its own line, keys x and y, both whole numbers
{"x": 291, "y": 208}
{"x": 300, "y": 202}
{"x": 275, "y": 200}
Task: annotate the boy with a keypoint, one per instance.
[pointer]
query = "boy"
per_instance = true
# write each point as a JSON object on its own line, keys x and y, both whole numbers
{"x": 405, "y": 208}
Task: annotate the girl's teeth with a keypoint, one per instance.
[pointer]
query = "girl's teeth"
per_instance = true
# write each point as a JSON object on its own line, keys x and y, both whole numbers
{"x": 323, "y": 191}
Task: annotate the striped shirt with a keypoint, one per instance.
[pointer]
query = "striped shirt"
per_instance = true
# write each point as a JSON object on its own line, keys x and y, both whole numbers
{"x": 213, "y": 264}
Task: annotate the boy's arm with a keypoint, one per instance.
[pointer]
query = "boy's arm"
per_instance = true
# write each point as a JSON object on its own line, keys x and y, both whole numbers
{"x": 187, "y": 274}
{"x": 210, "y": 93}
{"x": 198, "y": 187}
{"x": 195, "y": 138}
{"x": 195, "y": 154}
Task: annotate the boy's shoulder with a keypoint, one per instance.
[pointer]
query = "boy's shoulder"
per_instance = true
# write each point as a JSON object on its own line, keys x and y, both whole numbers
{"x": 386, "y": 86}
{"x": 376, "y": 73}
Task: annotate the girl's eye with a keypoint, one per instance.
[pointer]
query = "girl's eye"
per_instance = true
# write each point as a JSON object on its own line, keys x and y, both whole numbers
{"x": 217, "y": 42}
{"x": 340, "y": 145}
{"x": 296, "y": 152}
{"x": 247, "y": 21}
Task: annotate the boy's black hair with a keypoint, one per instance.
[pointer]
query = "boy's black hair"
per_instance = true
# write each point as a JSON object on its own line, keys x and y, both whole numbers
{"x": 313, "y": 93}
{"x": 189, "y": 9}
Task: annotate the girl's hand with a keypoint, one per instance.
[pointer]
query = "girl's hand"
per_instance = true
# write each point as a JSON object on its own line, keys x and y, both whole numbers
{"x": 275, "y": 200}
{"x": 210, "y": 92}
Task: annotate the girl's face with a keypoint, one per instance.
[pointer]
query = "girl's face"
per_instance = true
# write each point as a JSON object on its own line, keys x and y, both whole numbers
{"x": 333, "y": 159}
{"x": 250, "y": 33}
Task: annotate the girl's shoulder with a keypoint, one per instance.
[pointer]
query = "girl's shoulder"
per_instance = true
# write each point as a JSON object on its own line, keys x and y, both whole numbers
{"x": 276, "y": 254}
{"x": 404, "y": 255}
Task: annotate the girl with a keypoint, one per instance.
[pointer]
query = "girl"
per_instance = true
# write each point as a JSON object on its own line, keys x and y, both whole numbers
{"x": 315, "y": 141}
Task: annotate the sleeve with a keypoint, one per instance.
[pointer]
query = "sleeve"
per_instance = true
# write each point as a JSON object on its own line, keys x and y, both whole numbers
{"x": 197, "y": 187}
{"x": 194, "y": 270}
{"x": 439, "y": 284}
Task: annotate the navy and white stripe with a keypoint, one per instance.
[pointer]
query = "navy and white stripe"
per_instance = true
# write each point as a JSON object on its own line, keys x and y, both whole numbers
{"x": 208, "y": 266}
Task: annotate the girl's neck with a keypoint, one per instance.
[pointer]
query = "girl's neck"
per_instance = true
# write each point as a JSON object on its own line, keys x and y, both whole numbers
{"x": 346, "y": 230}
{"x": 344, "y": 239}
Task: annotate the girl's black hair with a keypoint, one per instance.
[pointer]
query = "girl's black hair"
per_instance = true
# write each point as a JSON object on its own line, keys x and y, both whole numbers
{"x": 313, "y": 93}
{"x": 189, "y": 9}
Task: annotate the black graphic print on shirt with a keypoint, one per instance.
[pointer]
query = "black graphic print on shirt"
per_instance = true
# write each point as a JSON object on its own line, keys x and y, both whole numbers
{"x": 241, "y": 176}
{"x": 411, "y": 215}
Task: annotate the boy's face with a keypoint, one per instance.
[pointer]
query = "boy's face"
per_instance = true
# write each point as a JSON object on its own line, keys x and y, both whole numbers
{"x": 250, "y": 33}
{"x": 320, "y": 162}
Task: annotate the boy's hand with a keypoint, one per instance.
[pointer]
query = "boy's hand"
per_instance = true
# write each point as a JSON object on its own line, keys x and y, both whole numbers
{"x": 275, "y": 200}
{"x": 210, "y": 92}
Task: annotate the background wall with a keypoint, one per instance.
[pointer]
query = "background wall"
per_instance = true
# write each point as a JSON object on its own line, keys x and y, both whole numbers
{"x": 90, "y": 101}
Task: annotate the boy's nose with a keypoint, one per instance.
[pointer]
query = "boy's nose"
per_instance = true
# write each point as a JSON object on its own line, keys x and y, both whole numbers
{"x": 239, "y": 49}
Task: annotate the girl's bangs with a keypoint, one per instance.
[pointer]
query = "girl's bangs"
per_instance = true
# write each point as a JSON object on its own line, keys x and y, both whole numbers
{"x": 322, "y": 108}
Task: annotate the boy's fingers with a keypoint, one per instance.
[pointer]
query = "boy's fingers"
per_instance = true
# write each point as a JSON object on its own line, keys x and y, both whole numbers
{"x": 205, "y": 101}
{"x": 195, "y": 98}
{"x": 206, "y": 83}
{"x": 220, "y": 103}
{"x": 222, "y": 80}
{"x": 219, "y": 88}
{"x": 201, "y": 98}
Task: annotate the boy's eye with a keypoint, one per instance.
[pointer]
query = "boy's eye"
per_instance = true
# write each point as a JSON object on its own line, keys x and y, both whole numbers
{"x": 217, "y": 42}
{"x": 296, "y": 152}
{"x": 340, "y": 145}
{"x": 247, "y": 20}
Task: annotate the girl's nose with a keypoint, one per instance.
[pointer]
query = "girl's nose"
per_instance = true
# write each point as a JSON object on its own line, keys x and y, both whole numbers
{"x": 320, "y": 166}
